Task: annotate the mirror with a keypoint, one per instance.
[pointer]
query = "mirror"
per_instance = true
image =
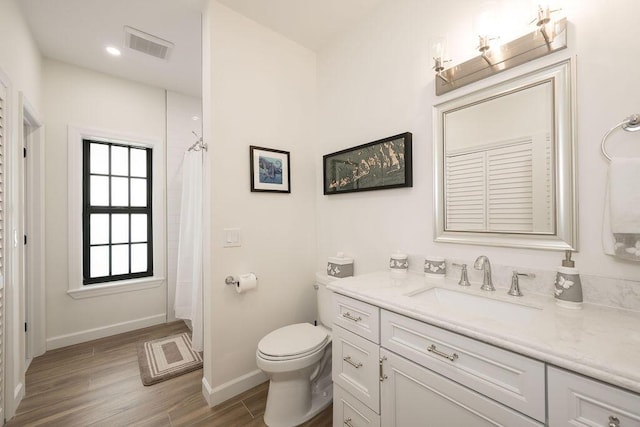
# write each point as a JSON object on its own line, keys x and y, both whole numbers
{"x": 504, "y": 164}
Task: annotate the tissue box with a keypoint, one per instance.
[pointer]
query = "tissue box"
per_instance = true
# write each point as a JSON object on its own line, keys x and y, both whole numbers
{"x": 340, "y": 267}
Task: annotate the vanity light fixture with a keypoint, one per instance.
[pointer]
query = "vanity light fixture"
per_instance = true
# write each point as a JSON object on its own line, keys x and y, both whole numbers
{"x": 439, "y": 67}
{"x": 548, "y": 37}
{"x": 438, "y": 52}
{"x": 484, "y": 44}
{"x": 544, "y": 23}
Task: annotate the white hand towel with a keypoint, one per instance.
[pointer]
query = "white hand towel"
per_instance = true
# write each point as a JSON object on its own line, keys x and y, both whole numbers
{"x": 608, "y": 241}
{"x": 624, "y": 193}
{"x": 621, "y": 222}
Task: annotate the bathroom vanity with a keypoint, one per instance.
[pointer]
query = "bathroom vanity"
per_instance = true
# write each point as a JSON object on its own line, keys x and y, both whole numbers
{"x": 409, "y": 352}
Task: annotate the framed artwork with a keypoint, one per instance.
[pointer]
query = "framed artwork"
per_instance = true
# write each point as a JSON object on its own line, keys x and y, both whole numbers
{"x": 269, "y": 170}
{"x": 381, "y": 164}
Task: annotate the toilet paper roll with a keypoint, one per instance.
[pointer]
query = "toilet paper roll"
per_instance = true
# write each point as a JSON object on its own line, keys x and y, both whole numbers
{"x": 246, "y": 282}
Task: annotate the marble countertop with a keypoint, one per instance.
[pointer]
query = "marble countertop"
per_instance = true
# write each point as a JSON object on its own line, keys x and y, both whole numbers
{"x": 597, "y": 341}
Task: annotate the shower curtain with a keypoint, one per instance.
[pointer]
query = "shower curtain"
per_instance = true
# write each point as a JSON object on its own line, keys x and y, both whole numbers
{"x": 189, "y": 298}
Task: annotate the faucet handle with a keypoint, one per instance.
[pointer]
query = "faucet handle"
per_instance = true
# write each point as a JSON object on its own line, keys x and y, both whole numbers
{"x": 464, "y": 278}
{"x": 515, "y": 283}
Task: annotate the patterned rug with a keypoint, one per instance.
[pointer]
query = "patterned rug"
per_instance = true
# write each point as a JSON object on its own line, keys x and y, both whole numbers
{"x": 166, "y": 358}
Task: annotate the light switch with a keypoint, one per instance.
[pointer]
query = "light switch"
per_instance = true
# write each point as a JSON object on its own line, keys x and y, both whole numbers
{"x": 231, "y": 237}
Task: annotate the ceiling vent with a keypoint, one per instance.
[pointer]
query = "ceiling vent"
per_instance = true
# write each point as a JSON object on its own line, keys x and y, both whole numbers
{"x": 147, "y": 44}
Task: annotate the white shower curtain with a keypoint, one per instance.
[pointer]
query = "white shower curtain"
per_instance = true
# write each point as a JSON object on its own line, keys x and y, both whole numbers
{"x": 188, "y": 302}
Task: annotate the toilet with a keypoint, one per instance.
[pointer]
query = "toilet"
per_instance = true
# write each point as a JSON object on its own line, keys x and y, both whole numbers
{"x": 297, "y": 360}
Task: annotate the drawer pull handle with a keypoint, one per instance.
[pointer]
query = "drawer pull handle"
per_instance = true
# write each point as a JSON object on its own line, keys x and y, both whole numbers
{"x": 432, "y": 348}
{"x": 347, "y": 422}
{"x": 614, "y": 421}
{"x": 382, "y": 374}
{"x": 352, "y": 363}
{"x": 348, "y": 315}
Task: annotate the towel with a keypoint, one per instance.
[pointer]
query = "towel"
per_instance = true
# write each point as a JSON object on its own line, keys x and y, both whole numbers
{"x": 621, "y": 224}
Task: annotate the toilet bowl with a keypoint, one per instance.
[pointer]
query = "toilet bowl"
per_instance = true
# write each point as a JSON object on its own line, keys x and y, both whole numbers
{"x": 297, "y": 360}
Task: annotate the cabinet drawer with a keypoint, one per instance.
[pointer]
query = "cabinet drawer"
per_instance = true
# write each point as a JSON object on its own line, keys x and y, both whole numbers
{"x": 355, "y": 366}
{"x": 581, "y": 401}
{"x": 357, "y": 316}
{"x": 350, "y": 412}
{"x": 416, "y": 396}
{"x": 512, "y": 379}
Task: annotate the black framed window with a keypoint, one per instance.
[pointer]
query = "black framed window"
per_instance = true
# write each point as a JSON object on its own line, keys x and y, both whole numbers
{"x": 117, "y": 232}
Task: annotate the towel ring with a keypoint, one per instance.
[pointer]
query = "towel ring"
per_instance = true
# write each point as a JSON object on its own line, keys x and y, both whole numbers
{"x": 630, "y": 124}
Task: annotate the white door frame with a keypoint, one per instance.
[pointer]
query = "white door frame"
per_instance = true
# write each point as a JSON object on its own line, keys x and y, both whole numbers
{"x": 34, "y": 227}
{"x": 7, "y": 403}
{"x": 14, "y": 370}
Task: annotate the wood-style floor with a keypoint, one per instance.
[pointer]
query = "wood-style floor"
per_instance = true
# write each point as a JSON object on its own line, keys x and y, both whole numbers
{"x": 98, "y": 384}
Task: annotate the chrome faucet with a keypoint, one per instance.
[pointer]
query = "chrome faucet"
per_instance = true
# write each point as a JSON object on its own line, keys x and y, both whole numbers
{"x": 482, "y": 262}
{"x": 515, "y": 283}
{"x": 464, "y": 278}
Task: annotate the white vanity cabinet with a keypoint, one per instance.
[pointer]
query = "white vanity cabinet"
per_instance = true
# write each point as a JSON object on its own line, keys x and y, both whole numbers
{"x": 391, "y": 370}
{"x": 513, "y": 380}
{"x": 415, "y": 396}
{"x": 574, "y": 400}
{"x": 356, "y": 316}
{"x": 355, "y": 363}
{"x": 350, "y": 412}
{"x": 355, "y": 366}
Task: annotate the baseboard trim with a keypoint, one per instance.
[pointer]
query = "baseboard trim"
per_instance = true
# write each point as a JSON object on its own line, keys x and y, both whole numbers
{"x": 104, "y": 331}
{"x": 18, "y": 393}
{"x": 223, "y": 392}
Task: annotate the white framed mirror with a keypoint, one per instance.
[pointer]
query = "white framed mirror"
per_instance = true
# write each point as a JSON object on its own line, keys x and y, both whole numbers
{"x": 504, "y": 163}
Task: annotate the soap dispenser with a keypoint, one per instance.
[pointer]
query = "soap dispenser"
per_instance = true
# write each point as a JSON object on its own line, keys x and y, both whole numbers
{"x": 568, "y": 287}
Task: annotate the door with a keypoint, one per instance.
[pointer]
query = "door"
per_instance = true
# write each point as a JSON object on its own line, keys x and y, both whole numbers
{"x": 411, "y": 395}
{"x": 32, "y": 225}
{"x": 25, "y": 259}
{"x": 3, "y": 127}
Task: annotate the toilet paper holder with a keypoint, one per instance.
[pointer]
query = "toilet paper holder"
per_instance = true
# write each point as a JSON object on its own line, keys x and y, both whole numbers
{"x": 230, "y": 280}
{"x": 233, "y": 280}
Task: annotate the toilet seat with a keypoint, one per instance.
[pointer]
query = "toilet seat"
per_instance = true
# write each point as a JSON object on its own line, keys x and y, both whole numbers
{"x": 292, "y": 342}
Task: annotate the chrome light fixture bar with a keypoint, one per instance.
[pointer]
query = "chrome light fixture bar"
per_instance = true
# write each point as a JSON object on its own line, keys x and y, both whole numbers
{"x": 531, "y": 46}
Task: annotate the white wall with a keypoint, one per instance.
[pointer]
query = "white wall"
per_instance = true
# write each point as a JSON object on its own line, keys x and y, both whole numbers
{"x": 20, "y": 70}
{"x": 180, "y": 112}
{"x": 19, "y": 55}
{"x": 259, "y": 90}
{"x": 84, "y": 98}
{"x": 377, "y": 81}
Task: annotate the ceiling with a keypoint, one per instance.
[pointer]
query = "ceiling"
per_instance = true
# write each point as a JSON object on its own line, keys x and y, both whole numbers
{"x": 77, "y": 32}
{"x": 311, "y": 23}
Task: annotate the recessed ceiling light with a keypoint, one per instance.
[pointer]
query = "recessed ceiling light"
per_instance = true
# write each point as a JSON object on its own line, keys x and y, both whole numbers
{"x": 113, "y": 50}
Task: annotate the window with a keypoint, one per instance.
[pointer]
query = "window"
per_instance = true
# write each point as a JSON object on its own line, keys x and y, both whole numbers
{"x": 117, "y": 227}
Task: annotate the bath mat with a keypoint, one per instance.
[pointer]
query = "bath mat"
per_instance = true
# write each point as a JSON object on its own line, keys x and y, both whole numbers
{"x": 166, "y": 358}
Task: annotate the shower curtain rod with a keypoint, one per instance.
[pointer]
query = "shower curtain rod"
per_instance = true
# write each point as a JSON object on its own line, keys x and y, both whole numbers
{"x": 198, "y": 145}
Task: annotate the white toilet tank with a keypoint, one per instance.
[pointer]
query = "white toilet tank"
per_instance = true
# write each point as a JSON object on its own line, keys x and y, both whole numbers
{"x": 324, "y": 299}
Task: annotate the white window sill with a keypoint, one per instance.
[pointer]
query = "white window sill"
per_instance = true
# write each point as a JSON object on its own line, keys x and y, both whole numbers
{"x": 110, "y": 288}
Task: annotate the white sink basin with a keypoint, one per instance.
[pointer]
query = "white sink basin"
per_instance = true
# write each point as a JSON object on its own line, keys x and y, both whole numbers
{"x": 474, "y": 305}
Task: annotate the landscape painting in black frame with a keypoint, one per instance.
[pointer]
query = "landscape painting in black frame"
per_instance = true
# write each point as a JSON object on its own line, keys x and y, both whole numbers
{"x": 269, "y": 170}
{"x": 377, "y": 165}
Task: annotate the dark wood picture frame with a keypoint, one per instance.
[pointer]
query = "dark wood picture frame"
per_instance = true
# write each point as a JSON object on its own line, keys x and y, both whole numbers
{"x": 382, "y": 164}
{"x": 270, "y": 170}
